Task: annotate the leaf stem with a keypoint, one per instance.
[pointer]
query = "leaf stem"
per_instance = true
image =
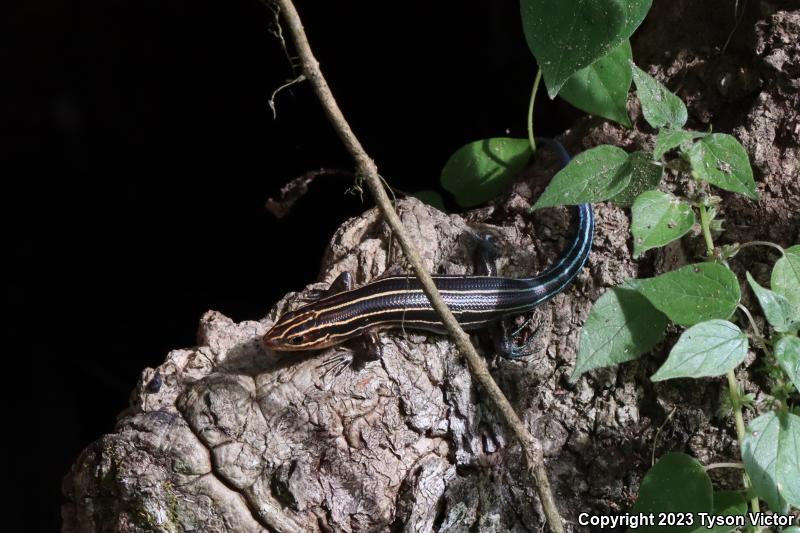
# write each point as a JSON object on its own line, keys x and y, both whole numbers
{"x": 531, "y": 137}
{"x": 705, "y": 223}
{"x": 761, "y": 243}
{"x": 756, "y": 332}
{"x": 712, "y": 466}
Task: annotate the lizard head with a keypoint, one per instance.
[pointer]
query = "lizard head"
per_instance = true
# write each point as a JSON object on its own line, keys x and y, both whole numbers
{"x": 298, "y": 330}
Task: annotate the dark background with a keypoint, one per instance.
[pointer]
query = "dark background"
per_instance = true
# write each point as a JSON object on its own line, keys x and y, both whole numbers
{"x": 139, "y": 150}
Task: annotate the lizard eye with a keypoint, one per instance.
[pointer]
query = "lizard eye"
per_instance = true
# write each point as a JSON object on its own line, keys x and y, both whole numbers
{"x": 294, "y": 341}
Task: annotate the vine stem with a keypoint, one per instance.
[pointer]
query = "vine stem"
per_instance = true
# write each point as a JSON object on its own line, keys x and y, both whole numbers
{"x": 733, "y": 390}
{"x": 367, "y": 169}
{"x": 531, "y": 136}
{"x": 733, "y": 385}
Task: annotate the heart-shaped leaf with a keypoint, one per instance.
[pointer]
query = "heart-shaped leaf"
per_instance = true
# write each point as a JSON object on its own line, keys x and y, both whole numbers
{"x": 788, "y": 467}
{"x": 726, "y": 503}
{"x": 480, "y": 170}
{"x": 721, "y": 160}
{"x": 694, "y": 293}
{"x": 659, "y": 106}
{"x": 592, "y": 176}
{"x": 645, "y": 176}
{"x": 771, "y": 454}
{"x": 432, "y": 198}
{"x": 659, "y": 218}
{"x": 602, "y": 88}
{"x": 787, "y": 352}
{"x": 709, "y": 348}
{"x": 781, "y": 314}
{"x": 677, "y": 483}
{"x": 786, "y": 275}
{"x": 669, "y": 138}
{"x": 621, "y": 326}
{"x": 568, "y": 35}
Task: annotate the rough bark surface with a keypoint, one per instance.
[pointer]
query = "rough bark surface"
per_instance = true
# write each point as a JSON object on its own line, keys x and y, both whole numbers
{"x": 229, "y": 437}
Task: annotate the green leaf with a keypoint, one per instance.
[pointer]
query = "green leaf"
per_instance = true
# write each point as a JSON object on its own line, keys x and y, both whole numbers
{"x": 659, "y": 218}
{"x": 602, "y": 88}
{"x": 662, "y": 491}
{"x": 592, "y": 176}
{"x": 432, "y": 198}
{"x": 694, "y": 293}
{"x": 788, "y": 468}
{"x": 645, "y": 176}
{"x": 707, "y": 349}
{"x": 727, "y": 503}
{"x": 677, "y": 483}
{"x": 786, "y": 275}
{"x": 621, "y": 326}
{"x": 480, "y": 170}
{"x": 569, "y": 35}
{"x": 659, "y": 106}
{"x": 669, "y": 138}
{"x": 787, "y": 352}
{"x": 771, "y": 454}
{"x": 760, "y": 456}
{"x": 721, "y": 160}
{"x": 781, "y": 314}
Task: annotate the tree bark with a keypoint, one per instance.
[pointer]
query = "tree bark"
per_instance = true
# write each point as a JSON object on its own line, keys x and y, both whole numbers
{"x": 228, "y": 437}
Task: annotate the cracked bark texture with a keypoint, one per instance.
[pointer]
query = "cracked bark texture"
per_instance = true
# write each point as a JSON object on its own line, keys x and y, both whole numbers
{"x": 229, "y": 437}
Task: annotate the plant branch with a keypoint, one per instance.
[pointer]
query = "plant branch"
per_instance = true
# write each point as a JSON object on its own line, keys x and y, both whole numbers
{"x": 366, "y": 168}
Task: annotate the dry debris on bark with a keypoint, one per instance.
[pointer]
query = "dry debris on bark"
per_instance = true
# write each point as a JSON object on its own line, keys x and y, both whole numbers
{"x": 229, "y": 437}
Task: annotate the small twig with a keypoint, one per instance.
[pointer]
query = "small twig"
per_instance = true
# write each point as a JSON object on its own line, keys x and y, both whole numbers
{"x": 296, "y": 189}
{"x": 366, "y": 168}
{"x": 277, "y": 32}
{"x": 289, "y": 83}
